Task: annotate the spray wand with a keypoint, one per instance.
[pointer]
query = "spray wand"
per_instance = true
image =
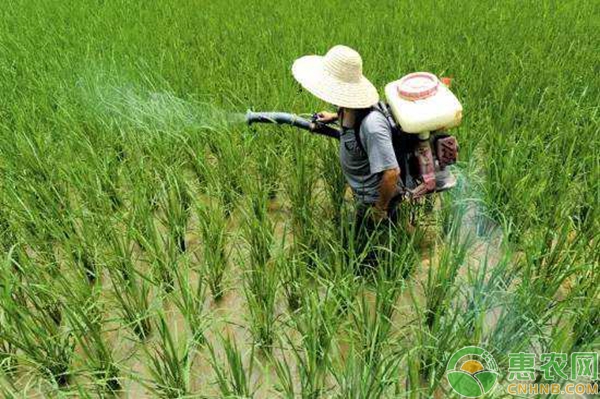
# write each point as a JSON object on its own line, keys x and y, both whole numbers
{"x": 284, "y": 118}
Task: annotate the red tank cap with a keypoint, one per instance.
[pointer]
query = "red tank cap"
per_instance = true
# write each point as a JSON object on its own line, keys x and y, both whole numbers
{"x": 418, "y": 85}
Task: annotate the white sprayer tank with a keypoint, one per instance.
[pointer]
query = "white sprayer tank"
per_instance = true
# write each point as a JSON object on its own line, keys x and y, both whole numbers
{"x": 421, "y": 103}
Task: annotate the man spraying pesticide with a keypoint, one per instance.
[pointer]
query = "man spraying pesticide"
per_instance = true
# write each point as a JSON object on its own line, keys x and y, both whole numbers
{"x": 388, "y": 152}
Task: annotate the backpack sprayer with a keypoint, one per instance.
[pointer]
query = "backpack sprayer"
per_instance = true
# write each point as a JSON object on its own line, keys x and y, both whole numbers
{"x": 419, "y": 109}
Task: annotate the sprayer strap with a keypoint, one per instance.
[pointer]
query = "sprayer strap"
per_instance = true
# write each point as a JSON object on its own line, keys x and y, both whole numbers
{"x": 382, "y": 107}
{"x": 358, "y": 140}
{"x": 355, "y": 130}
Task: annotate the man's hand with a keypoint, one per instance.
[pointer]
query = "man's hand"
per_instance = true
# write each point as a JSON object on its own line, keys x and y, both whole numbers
{"x": 326, "y": 117}
{"x": 379, "y": 214}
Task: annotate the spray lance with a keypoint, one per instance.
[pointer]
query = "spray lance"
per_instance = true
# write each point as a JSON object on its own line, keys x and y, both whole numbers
{"x": 284, "y": 118}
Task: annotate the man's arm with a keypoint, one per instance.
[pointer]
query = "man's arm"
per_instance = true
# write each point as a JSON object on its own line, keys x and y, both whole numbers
{"x": 388, "y": 188}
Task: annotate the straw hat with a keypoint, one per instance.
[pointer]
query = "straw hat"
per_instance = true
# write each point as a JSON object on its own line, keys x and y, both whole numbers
{"x": 336, "y": 78}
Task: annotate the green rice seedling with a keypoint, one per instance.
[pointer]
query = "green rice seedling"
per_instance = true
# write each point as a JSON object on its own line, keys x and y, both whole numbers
{"x": 260, "y": 277}
{"x": 175, "y": 203}
{"x": 132, "y": 294}
{"x": 109, "y": 179}
{"x": 293, "y": 276}
{"x": 145, "y": 180}
{"x": 482, "y": 293}
{"x": 518, "y": 329}
{"x": 534, "y": 303}
{"x": 34, "y": 326}
{"x": 120, "y": 257}
{"x": 534, "y": 307}
{"x": 585, "y": 312}
{"x": 440, "y": 287}
{"x": 7, "y": 349}
{"x": 84, "y": 392}
{"x": 260, "y": 288}
{"x": 358, "y": 377}
{"x": 317, "y": 323}
{"x": 160, "y": 252}
{"x": 267, "y": 151}
{"x": 169, "y": 363}
{"x": 162, "y": 265}
{"x": 212, "y": 223}
{"x": 7, "y": 356}
{"x": 189, "y": 299}
{"x": 8, "y": 392}
{"x": 549, "y": 256}
{"x": 258, "y": 231}
{"x": 339, "y": 254}
{"x": 527, "y": 315}
{"x": 437, "y": 321}
{"x": 83, "y": 242}
{"x": 423, "y": 361}
{"x": 286, "y": 386}
{"x": 576, "y": 319}
{"x": 131, "y": 284}
{"x": 9, "y": 239}
{"x": 233, "y": 378}
{"x": 99, "y": 185}
{"x": 228, "y": 170}
{"x": 300, "y": 189}
{"x": 262, "y": 314}
{"x": 373, "y": 324}
{"x": 372, "y": 363}
{"x": 84, "y": 258}
{"x": 84, "y": 317}
{"x": 335, "y": 182}
{"x": 35, "y": 224}
{"x": 196, "y": 150}
{"x": 398, "y": 254}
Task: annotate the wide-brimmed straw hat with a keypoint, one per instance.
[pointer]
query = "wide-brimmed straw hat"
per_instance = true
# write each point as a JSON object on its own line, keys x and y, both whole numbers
{"x": 336, "y": 78}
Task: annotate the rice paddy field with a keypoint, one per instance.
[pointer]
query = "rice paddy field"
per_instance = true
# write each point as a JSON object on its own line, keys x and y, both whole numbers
{"x": 155, "y": 246}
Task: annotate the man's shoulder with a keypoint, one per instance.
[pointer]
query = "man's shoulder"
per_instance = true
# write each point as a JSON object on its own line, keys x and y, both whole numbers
{"x": 376, "y": 123}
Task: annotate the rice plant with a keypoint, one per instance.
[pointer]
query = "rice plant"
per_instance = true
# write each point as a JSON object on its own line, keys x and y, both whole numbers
{"x": 133, "y": 298}
{"x": 176, "y": 204}
{"x": 317, "y": 323}
{"x": 35, "y": 327}
{"x": 300, "y": 189}
{"x": 189, "y": 299}
{"x": 233, "y": 377}
{"x": 131, "y": 287}
{"x": 170, "y": 362}
{"x": 335, "y": 183}
{"x": 260, "y": 277}
{"x": 84, "y": 318}
{"x": 358, "y": 377}
{"x": 212, "y": 223}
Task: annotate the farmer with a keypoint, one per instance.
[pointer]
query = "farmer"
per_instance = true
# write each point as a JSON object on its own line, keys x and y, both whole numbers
{"x": 366, "y": 152}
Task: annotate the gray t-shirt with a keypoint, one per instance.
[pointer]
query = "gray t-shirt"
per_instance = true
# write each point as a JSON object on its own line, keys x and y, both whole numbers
{"x": 363, "y": 169}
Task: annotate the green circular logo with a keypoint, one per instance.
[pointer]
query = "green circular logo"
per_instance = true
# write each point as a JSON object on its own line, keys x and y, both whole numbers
{"x": 472, "y": 372}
